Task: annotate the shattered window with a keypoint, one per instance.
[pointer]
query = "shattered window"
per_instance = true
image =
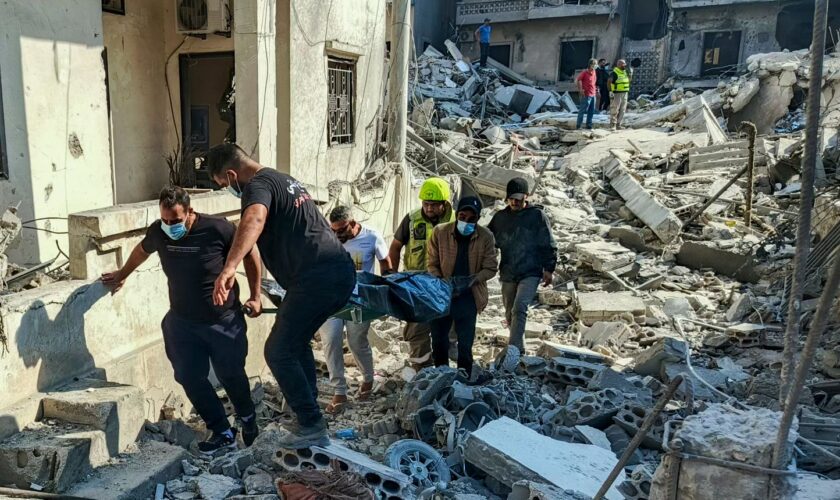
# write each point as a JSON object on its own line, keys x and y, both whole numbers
{"x": 4, "y": 166}
{"x": 342, "y": 93}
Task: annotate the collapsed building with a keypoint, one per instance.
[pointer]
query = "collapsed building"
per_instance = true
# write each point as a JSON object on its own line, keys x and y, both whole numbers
{"x": 651, "y": 367}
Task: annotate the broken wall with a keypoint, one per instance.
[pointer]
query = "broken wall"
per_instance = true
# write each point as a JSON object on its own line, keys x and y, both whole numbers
{"x": 54, "y": 105}
{"x": 433, "y": 21}
{"x": 306, "y": 35}
{"x": 536, "y": 43}
{"x": 71, "y": 328}
{"x": 756, "y": 22}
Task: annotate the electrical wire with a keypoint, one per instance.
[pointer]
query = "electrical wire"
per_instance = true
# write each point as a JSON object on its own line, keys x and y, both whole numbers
{"x": 169, "y": 92}
{"x": 44, "y": 230}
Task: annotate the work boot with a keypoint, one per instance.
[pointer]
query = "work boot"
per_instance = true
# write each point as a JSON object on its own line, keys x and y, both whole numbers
{"x": 250, "y": 430}
{"x": 219, "y": 441}
{"x": 298, "y": 436}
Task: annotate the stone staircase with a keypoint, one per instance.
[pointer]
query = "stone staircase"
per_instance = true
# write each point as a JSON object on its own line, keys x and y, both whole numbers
{"x": 84, "y": 445}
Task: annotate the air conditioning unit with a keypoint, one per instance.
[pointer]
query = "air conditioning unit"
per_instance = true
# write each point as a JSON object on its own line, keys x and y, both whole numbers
{"x": 465, "y": 36}
{"x": 203, "y": 17}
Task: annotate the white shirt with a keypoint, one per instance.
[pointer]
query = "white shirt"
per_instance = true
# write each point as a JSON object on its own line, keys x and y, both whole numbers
{"x": 366, "y": 248}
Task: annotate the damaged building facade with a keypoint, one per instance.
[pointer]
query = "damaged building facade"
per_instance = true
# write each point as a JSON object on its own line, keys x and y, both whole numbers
{"x": 676, "y": 42}
{"x": 104, "y": 103}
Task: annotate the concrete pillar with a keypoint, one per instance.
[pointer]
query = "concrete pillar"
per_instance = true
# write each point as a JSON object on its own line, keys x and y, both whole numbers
{"x": 256, "y": 70}
{"x": 398, "y": 102}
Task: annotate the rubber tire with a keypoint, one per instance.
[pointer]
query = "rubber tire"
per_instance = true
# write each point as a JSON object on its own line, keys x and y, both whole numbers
{"x": 403, "y": 446}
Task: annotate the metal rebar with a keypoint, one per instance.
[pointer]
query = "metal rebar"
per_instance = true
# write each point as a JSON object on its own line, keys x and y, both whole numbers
{"x": 752, "y": 131}
{"x": 640, "y": 435}
{"x": 780, "y": 451}
{"x": 809, "y": 165}
{"x": 715, "y": 196}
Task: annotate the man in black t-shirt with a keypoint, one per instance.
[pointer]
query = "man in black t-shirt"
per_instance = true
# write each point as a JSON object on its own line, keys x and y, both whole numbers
{"x": 196, "y": 332}
{"x": 305, "y": 257}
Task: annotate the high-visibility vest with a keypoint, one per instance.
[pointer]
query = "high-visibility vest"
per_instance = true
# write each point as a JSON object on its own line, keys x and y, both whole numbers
{"x": 620, "y": 81}
{"x": 420, "y": 231}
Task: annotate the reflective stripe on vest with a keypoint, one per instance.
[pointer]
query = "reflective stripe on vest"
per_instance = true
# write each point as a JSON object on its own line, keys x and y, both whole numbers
{"x": 621, "y": 82}
{"x": 420, "y": 230}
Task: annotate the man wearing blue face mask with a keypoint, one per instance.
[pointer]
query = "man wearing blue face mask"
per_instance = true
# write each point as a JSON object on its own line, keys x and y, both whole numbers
{"x": 192, "y": 248}
{"x": 465, "y": 253}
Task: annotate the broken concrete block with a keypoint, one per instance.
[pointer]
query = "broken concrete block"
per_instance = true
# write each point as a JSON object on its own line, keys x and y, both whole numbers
{"x": 554, "y": 350}
{"x": 54, "y": 457}
{"x": 594, "y": 436}
{"x": 571, "y": 371}
{"x": 608, "y": 333}
{"x": 215, "y": 486}
{"x": 740, "y": 307}
{"x": 746, "y": 334}
{"x": 604, "y": 256}
{"x": 604, "y": 306}
{"x": 630, "y": 417}
{"x": 232, "y": 464}
{"x": 648, "y": 209}
{"x": 728, "y": 155}
{"x": 720, "y": 379}
{"x": 619, "y": 441}
{"x": 116, "y": 409}
{"x": 422, "y": 390}
{"x": 535, "y": 330}
{"x": 136, "y": 476}
{"x": 594, "y": 409}
{"x": 729, "y": 262}
{"x": 631, "y": 387}
{"x": 529, "y": 490}
{"x": 678, "y": 307}
{"x": 726, "y": 433}
{"x": 665, "y": 350}
{"x": 553, "y": 298}
{"x": 177, "y": 432}
{"x": 494, "y": 134}
{"x": 637, "y": 486}
{"x": 260, "y": 483}
{"x": 505, "y": 448}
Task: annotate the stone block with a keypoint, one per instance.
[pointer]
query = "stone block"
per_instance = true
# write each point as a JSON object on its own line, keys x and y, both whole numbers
{"x": 608, "y": 333}
{"x": 648, "y": 209}
{"x": 665, "y": 350}
{"x": 571, "y": 371}
{"x": 703, "y": 255}
{"x": 505, "y": 448}
{"x": 116, "y": 409}
{"x": 215, "y": 486}
{"x": 604, "y": 306}
{"x": 136, "y": 476}
{"x": 53, "y": 457}
{"x": 604, "y": 256}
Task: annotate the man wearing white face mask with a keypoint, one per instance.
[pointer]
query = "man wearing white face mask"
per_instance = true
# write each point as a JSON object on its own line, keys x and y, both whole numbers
{"x": 465, "y": 253}
{"x": 192, "y": 248}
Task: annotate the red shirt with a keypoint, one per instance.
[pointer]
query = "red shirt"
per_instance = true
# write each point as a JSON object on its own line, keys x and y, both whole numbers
{"x": 587, "y": 80}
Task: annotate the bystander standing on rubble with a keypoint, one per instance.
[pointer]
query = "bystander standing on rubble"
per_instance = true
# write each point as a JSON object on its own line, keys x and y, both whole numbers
{"x": 482, "y": 34}
{"x": 586, "y": 85}
{"x": 196, "y": 332}
{"x": 305, "y": 258}
{"x": 620, "y": 78}
{"x": 464, "y": 252}
{"x": 413, "y": 233}
{"x": 529, "y": 255}
{"x": 365, "y": 246}
{"x": 603, "y": 83}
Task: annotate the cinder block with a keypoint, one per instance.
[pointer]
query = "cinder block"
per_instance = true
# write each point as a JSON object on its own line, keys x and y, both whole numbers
{"x": 571, "y": 371}
{"x": 630, "y": 418}
{"x": 595, "y": 409}
{"x": 609, "y": 333}
{"x": 604, "y": 306}
{"x": 115, "y": 409}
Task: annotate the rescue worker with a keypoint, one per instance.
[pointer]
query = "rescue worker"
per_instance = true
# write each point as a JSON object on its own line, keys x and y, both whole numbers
{"x": 414, "y": 232}
{"x": 464, "y": 252}
{"x": 366, "y": 246}
{"x": 305, "y": 257}
{"x": 529, "y": 256}
{"x": 192, "y": 248}
{"x": 620, "y": 79}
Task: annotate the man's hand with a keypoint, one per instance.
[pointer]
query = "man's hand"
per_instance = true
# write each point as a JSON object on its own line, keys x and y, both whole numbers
{"x": 548, "y": 278}
{"x": 224, "y": 284}
{"x": 253, "y": 306}
{"x": 114, "y": 281}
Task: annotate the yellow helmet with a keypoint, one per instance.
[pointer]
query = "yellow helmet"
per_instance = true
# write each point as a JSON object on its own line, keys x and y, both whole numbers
{"x": 434, "y": 189}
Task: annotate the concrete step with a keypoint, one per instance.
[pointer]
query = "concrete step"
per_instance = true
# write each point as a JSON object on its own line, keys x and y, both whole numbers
{"x": 51, "y": 456}
{"x": 115, "y": 409}
{"x": 136, "y": 476}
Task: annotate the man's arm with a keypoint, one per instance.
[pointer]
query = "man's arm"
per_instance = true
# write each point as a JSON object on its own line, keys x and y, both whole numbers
{"x": 249, "y": 230}
{"x": 489, "y": 262}
{"x": 254, "y": 272}
{"x": 549, "y": 251}
{"x": 115, "y": 280}
{"x": 475, "y": 34}
{"x": 394, "y": 254}
{"x": 385, "y": 266}
{"x": 433, "y": 256}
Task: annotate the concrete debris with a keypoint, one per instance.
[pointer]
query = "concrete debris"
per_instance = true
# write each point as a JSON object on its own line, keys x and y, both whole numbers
{"x": 215, "y": 486}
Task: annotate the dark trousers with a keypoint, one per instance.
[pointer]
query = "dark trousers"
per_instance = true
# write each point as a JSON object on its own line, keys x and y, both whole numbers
{"x": 191, "y": 347}
{"x": 604, "y": 102}
{"x": 462, "y": 314}
{"x": 288, "y": 349}
{"x": 485, "y": 51}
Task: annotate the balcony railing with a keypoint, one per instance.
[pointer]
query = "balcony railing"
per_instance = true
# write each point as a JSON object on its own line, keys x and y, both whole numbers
{"x": 475, "y": 11}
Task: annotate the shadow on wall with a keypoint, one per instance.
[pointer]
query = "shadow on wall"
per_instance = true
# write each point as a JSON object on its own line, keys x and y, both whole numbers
{"x": 59, "y": 344}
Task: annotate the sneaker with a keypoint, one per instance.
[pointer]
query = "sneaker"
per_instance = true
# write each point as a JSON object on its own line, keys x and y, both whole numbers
{"x": 221, "y": 441}
{"x": 298, "y": 436}
{"x": 250, "y": 430}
